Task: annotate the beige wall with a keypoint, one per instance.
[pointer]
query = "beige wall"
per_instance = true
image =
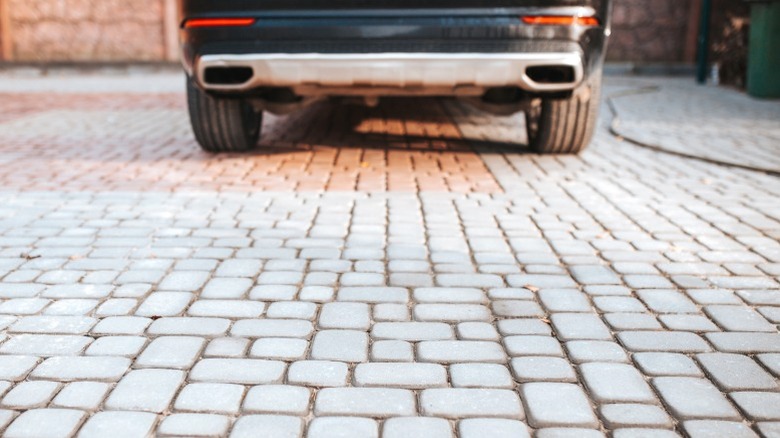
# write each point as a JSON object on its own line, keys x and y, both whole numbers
{"x": 145, "y": 30}
{"x": 87, "y": 30}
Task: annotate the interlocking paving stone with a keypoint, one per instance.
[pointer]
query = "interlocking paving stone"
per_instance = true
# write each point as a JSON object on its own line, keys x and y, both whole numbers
{"x": 318, "y": 373}
{"x": 271, "y": 425}
{"x": 189, "y": 326}
{"x": 45, "y": 422}
{"x": 29, "y": 395}
{"x": 240, "y": 371}
{"x": 403, "y": 375}
{"x": 595, "y": 351}
{"x": 119, "y": 424}
{"x": 533, "y": 346}
{"x": 417, "y": 427}
{"x": 178, "y": 352}
{"x": 451, "y": 312}
{"x": 557, "y": 404}
{"x": 276, "y": 348}
{"x": 705, "y": 428}
{"x": 644, "y": 432}
{"x": 277, "y": 399}
{"x": 460, "y": 351}
{"x": 283, "y": 328}
{"x": 194, "y": 425}
{"x": 499, "y": 428}
{"x": 145, "y": 390}
{"x": 16, "y": 368}
{"x": 758, "y": 406}
{"x": 769, "y": 428}
{"x": 542, "y": 369}
{"x": 480, "y": 375}
{"x": 682, "y": 342}
{"x": 45, "y": 345}
{"x": 65, "y": 368}
{"x": 448, "y": 295}
{"x": 666, "y": 364}
{"x": 618, "y": 416}
{"x": 345, "y": 316}
{"x": 477, "y": 331}
{"x": 568, "y": 432}
{"x": 81, "y": 395}
{"x": 440, "y": 263}
{"x": 210, "y": 398}
{"x": 733, "y": 372}
{"x": 227, "y": 347}
{"x": 331, "y": 427}
{"x": 577, "y": 326}
{"x": 739, "y": 319}
{"x": 693, "y": 398}
{"x": 368, "y": 402}
{"x": 340, "y": 345}
{"x": 745, "y": 343}
{"x": 771, "y": 362}
{"x": 469, "y": 402}
{"x": 614, "y": 383}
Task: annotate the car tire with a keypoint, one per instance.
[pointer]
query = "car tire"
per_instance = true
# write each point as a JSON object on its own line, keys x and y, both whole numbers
{"x": 564, "y": 125}
{"x": 222, "y": 124}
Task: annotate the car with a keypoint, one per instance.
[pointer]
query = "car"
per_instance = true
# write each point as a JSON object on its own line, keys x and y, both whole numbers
{"x": 542, "y": 57}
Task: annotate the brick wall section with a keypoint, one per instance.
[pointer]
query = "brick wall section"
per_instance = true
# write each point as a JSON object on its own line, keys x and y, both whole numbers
{"x": 649, "y": 30}
{"x": 134, "y": 30}
{"x": 87, "y": 30}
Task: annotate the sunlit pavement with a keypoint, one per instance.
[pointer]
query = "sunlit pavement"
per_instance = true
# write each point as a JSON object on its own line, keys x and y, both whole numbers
{"x": 399, "y": 270}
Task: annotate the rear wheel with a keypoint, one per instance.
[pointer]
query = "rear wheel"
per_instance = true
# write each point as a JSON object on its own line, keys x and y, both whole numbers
{"x": 564, "y": 125}
{"x": 222, "y": 124}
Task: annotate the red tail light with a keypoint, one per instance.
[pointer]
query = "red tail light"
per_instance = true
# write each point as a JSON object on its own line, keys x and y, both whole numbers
{"x": 219, "y": 22}
{"x": 559, "y": 20}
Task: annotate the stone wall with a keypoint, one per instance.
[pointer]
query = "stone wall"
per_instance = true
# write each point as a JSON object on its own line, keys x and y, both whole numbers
{"x": 144, "y": 30}
{"x": 86, "y": 30}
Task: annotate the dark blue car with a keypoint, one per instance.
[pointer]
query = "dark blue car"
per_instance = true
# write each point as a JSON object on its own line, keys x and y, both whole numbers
{"x": 543, "y": 57}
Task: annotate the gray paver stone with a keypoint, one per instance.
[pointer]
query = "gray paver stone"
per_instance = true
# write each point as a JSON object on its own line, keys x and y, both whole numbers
{"x": 470, "y": 402}
{"x": 618, "y": 416}
{"x": 614, "y": 382}
{"x": 417, "y": 427}
{"x": 368, "y": 402}
{"x": 145, "y": 390}
{"x": 693, "y": 398}
{"x": 343, "y": 427}
{"x": 194, "y": 425}
{"x": 758, "y": 406}
{"x": 45, "y": 423}
{"x": 713, "y": 428}
{"x": 557, "y": 404}
{"x": 119, "y": 424}
{"x": 734, "y": 372}
{"x": 318, "y": 373}
{"x": 278, "y": 399}
{"x": 280, "y": 426}
{"x": 240, "y": 371}
{"x": 496, "y": 427}
{"x": 403, "y": 375}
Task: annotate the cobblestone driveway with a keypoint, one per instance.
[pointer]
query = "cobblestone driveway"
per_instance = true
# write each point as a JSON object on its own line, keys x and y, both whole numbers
{"x": 400, "y": 271}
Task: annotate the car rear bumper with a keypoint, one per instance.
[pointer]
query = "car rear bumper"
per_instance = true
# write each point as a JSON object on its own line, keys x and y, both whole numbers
{"x": 384, "y": 52}
{"x": 310, "y": 73}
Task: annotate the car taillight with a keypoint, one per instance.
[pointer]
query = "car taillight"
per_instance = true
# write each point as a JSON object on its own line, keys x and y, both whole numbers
{"x": 559, "y": 20}
{"x": 219, "y": 22}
